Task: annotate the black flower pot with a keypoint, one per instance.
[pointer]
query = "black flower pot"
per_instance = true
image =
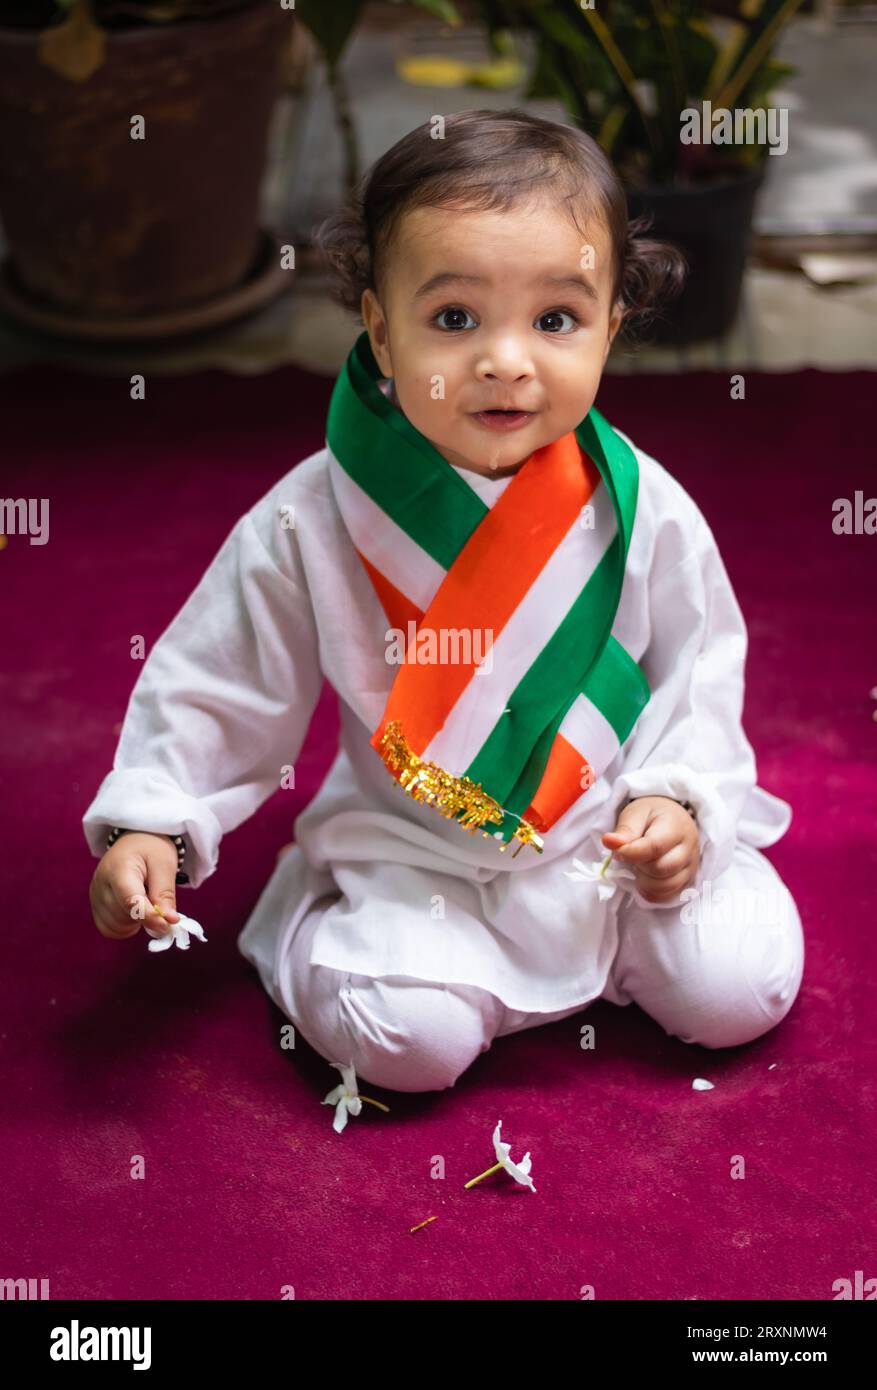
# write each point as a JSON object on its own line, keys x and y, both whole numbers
{"x": 711, "y": 223}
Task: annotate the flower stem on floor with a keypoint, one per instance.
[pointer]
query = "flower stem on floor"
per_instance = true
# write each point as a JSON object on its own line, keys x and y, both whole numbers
{"x": 378, "y": 1103}
{"x": 487, "y": 1174}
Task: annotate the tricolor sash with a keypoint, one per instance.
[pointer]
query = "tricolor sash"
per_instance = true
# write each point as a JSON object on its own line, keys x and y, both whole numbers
{"x": 511, "y": 696}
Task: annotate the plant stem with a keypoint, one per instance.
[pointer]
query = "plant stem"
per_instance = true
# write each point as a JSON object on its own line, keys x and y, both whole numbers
{"x": 473, "y": 1181}
{"x": 346, "y": 127}
{"x": 368, "y": 1100}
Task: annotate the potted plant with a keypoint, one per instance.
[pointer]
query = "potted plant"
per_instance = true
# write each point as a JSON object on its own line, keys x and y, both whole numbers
{"x": 132, "y": 141}
{"x": 627, "y": 72}
{"x": 332, "y": 22}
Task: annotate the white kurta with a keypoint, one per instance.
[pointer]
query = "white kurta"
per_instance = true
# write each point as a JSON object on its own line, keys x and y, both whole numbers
{"x": 223, "y": 703}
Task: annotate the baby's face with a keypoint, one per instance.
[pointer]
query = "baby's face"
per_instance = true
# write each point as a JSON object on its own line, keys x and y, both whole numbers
{"x": 494, "y": 310}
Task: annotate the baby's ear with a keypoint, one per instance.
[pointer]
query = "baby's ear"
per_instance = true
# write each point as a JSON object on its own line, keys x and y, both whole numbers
{"x": 376, "y": 327}
{"x": 615, "y": 320}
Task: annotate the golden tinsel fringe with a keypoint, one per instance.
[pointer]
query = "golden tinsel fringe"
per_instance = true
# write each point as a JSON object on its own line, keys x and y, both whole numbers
{"x": 456, "y": 798}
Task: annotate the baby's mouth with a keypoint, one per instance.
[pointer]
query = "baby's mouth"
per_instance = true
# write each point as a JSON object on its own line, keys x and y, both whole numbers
{"x": 502, "y": 419}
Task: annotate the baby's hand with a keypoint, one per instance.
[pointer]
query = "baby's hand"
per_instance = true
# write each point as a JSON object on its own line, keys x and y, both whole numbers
{"x": 137, "y": 872}
{"x": 660, "y": 841}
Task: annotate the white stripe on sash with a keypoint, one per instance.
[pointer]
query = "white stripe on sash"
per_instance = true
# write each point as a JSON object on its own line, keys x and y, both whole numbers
{"x": 586, "y": 728}
{"x": 384, "y": 544}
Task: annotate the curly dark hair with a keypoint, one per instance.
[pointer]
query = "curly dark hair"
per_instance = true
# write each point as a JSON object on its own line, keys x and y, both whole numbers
{"x": 489, "y": 160}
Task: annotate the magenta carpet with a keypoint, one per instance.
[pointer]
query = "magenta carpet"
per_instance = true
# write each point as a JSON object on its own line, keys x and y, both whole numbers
{"x": 110, "y": 1053}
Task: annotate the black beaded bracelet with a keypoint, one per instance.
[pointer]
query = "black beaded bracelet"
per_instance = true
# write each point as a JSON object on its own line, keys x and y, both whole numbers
{"x": 179, "y": 842}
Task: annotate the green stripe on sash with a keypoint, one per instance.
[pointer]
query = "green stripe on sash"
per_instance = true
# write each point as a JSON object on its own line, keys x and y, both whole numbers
{"x": 618, "y": 688}
{"x": 412, "y": 483}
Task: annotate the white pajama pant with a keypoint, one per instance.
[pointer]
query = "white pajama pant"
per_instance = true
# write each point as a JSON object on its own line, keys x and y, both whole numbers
{"x": 718, "y": 976}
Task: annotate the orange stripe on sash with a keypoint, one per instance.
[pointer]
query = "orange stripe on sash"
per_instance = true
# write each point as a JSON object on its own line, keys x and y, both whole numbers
{"x": 567, "y": 775}
{"x": 397, "y": 606}
{"x": 489, "y": 579}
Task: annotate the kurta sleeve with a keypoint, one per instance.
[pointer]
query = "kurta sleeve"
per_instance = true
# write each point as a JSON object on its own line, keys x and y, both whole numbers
{"x": 689, "y": 743}
{"x": 223, "y": 700}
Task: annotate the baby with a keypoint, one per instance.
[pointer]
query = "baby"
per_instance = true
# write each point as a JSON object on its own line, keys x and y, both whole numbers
{"x": 543, "y": 794}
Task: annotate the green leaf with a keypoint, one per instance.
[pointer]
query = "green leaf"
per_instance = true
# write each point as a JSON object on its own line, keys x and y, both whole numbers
{"x": 331, "y": 24}
{"x": 612, "y": 126}
{"x": 546, "y": 82}
{"x": 770, "y": 18}
{"x": 768, "y": 76}
{"x": 444, "y": 10}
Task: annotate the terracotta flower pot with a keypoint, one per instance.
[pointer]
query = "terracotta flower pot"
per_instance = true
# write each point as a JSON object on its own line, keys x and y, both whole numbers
{"x": 101, "y": 226}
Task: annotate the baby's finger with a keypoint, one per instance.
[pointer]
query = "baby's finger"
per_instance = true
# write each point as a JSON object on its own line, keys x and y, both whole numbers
{"x": 673, "y": 862}
{"x": 630, "y": 825}
{"x": 133, "y": 904}
{"x": 162, "y": 893}
{"x": 110, "y": 924}
{"x": 658, "y": 839}
{"x": 157, "y": 915}
{"x": 113, "y": 916}
{"x": 668, "y": 889}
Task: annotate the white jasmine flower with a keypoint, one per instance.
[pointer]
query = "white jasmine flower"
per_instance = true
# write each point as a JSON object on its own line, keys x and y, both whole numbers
{"x": 605, "y": 876}
{"x": 346, "y": 1098}
{"x": 519, "y": 1171}
{"x": 179, "y": 934}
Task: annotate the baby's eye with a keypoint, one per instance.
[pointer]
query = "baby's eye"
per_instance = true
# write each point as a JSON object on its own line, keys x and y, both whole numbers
{"x": 555, "y": 314}
{"x": 452, "y": 327}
